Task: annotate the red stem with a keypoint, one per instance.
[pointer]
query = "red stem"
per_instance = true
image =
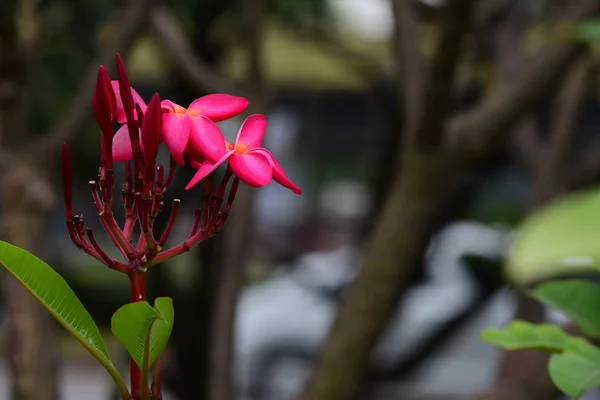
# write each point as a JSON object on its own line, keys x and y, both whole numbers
{"x": 137, "y": 281}
{"x": 156, "y": 392}
{"x": 165, "y": 235}
{"x": 128, "y": 227}
{"x": 110, "y": 262}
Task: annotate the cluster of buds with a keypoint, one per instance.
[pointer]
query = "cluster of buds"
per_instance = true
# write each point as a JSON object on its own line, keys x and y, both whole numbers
{"x": 192, "y": 132}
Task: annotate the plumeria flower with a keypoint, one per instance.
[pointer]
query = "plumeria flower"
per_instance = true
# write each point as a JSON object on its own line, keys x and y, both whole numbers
{"x": 254, "y": 165}
{"x": 177, "y": 122}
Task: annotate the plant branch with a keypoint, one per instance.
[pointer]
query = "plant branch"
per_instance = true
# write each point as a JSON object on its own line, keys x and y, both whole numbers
{"x": 552, "y": 172}
{"x": 202, "y": 76}
{"x": 409, "y": 61}
{"x": 437, "y": 89}
{"x": 137, "y": 284}
{"x": 477, "y": 131}
{"x": 126, "y": 26}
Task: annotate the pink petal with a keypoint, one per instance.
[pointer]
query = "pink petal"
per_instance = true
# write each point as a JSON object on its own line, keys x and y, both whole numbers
{"x": 206, "y": 168}
{"x": 279, "y": 174}
{"x": 176, "y": 132}
{"x": 206, "y": 138}
{"x": 121, "y": 118}
{"x": 121, "y": 146}
{"x": 195, "y": 164}
{"x": 252, "y": 168}
{"x": 169, "y": 106}
{"x": 252, "y": 131}
{"x": 219, "y": 107}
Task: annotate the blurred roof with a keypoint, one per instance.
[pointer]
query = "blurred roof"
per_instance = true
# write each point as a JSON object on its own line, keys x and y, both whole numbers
{"x": 294, "y": 60}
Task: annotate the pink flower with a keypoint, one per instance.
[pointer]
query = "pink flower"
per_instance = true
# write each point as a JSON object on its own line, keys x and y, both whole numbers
{"x": 253, "y": 164}
{"x": 179, "y": 122}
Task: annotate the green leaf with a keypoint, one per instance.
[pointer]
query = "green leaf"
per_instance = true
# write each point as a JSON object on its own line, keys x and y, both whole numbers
{"x": 577, "y": 298}
{"x": 161, "y": 330}
{"x": 586, "y": 31}
{"x": 131, "y": 323}
{"x": 53, "y": 292}
{"x": 577, "y": 370}
{"x": 560, "y": 239}
{"x": 525, "y": 335}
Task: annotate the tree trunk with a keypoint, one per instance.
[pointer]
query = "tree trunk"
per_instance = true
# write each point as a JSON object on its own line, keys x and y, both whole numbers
{"x": 397, "y": 244}
{"x": 26, "y": 200}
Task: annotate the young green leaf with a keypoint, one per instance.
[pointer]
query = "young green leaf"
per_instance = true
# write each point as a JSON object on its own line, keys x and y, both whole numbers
{"x": 525, "y": 335}
{"x": 53, "y": 292}
{"x": 557, "y": 240}
{"x": 587, "y": 31}
{"x": 577, "y": 298}
{"x": 577, "y": 369}
{"x": 161, "y": 329}
{"x": 131, "y": 323}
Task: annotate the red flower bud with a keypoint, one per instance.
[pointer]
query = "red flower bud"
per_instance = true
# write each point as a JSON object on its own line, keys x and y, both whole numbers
{"x": 151, "y": 126}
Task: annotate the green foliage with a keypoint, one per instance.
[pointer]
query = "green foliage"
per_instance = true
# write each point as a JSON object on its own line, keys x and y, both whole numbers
{"x": 560, "y": 239}
{"x": 579, "y": 299}
{"x": 53, "y": 292}
{"x": 575, "y": 363}
{"x": 586, "y": 31}
{"x": 132, "y": 322}
{"x": 577, "y": 369}
{"x": 524, "y": 335}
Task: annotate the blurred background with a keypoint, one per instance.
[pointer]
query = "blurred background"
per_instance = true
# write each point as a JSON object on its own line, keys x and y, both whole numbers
{"x": 421, "y": 131}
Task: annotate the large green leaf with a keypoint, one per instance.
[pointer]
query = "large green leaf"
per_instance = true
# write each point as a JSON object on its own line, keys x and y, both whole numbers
{"x": 560, "y": 239}
{"x": 53, "y": 292}
{"x": 525, "y": 335}
{"x": 587, "y": 31}
{"x": 577, "y": 298}
{"x": 131, "y": 324}
{"x": 577, "y": 369}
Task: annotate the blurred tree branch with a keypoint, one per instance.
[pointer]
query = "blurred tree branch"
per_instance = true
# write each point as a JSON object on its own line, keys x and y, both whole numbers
{"x": 126, "y": 27}
{"x": 202, "y": 76}
{"x": 439, "y": 81}
{"x": 410, "y": 63}
{"x": 478, "y": 130}
{"x": 434, "y": 153}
